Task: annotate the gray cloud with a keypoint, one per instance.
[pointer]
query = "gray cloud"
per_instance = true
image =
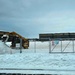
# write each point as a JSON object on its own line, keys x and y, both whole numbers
{"x": 31, "y": 17}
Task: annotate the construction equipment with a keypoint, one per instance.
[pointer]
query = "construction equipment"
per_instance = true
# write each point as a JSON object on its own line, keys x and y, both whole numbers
{"x": 15, "y": 38}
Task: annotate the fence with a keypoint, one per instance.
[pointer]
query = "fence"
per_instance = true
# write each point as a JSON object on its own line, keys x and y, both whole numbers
{"x": 41, "y": 46}
{"x": 53, "y": 46}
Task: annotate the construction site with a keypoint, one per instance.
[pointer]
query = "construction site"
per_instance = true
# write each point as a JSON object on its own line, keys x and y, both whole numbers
{"x": 51, "y": 53}
{"x": 60, "y": 41}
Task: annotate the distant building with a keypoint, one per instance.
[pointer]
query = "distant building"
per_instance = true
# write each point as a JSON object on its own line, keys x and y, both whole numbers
{"x": 60, "y": 36}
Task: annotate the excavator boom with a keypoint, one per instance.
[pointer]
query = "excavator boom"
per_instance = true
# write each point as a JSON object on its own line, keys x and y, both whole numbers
{"x": 15, "y": 38}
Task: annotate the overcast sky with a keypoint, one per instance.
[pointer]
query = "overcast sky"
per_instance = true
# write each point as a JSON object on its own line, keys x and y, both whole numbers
{"x": 32, "y": 17}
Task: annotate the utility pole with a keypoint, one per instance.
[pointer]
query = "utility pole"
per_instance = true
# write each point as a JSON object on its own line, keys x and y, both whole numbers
{"x": 49, "y": 45}
{"x": 35, "y": 46}
{"x": 20, "y": 45}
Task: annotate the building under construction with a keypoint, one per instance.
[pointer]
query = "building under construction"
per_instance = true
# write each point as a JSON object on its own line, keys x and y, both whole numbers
{"x": 14, "y": 38}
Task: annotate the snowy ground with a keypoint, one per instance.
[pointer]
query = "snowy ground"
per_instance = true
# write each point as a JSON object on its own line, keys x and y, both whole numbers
{"x": 57, "y": 63}
{"x": 39, "y": 62}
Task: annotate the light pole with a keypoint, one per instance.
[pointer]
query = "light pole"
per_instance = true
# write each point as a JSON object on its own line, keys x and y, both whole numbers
{"x": 20, "y": 45}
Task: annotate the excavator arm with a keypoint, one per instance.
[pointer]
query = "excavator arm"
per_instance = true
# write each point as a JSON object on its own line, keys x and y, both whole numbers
{"x": 15, "y": 38}
{"x": 25, "y": 41}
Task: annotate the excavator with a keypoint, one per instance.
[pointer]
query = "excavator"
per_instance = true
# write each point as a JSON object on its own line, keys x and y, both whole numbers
{"x": 15, "y": 38}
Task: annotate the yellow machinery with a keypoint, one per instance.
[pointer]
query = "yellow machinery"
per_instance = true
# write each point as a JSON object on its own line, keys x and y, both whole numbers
{"x": 25, "y": 42}
{"x": 17, "y": 37}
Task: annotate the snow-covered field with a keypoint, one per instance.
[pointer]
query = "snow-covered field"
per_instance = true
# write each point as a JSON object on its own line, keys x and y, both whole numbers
{"x": 36, "y": 61}
{"x": 48, "y": 63}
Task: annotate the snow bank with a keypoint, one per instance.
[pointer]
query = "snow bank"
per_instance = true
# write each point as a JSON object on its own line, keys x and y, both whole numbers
{"x": 5, "y": 48}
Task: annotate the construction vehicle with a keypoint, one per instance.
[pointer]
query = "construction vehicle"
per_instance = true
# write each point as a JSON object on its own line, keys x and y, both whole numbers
{"x": 15, "y": 38}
